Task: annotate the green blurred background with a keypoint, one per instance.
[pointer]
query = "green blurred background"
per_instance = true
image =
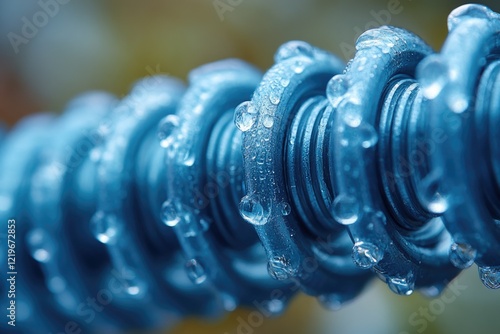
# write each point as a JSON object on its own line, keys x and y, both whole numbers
{"x": 108, "y": 44}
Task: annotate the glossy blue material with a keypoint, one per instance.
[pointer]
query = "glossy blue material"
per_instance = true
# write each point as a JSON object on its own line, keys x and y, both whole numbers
{"x": 243, "y": 188}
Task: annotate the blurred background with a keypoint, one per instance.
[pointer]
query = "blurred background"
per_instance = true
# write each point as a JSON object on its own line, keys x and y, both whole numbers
{"x": 108, "y": 44}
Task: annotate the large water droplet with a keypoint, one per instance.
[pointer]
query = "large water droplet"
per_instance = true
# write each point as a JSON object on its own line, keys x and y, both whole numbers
{"x": 196, "y": 271}
{"x": 298, "y": 67}
{"x": 366, "y": 254}
{"x": 169, "y": 214}
{"x": 104, "y": 227}
{"x": 490, "y": 276}
{"x": 457, "y": 101}
{"x": 267, "y": 120}
{"x": 331, "y": 302}
{"x": 285, "y": 82}
{"x": 345, "y": 209}
{"x": 433, "y": 76}
{"x": 188, "y": 158}
{"x": 336, "y": 89}
{"x": 402, "y": 286}
{"x": 40, "y": 245}
{"x": 166, "y": 128}
{"x": 462, "y": 255}
{"x": 279, "y": 268}
{"x": 286, "y": 209}
{"x": 255, "y": 209}
{"x": 294, "y": 49}
{"x": 245, "y": 116}
{"x": 274, "y": 97}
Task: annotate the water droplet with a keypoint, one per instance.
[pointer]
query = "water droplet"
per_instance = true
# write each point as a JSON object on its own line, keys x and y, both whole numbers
{"x": 366, "y": 254}
{"x": 367, "y": 135}
{"x": 169, "y": 214}
{"x": 336, "y": 89}
{"x": 457, "y": 102}
{"x": 274, "y": 307}
{"x": 195, "y": 271}
{"x": 189, "y": 158}
{"x": 490, "y": 276}
{"x": 104, "y": 227}
{"x": 432, "y": 291}
{"x": 467, "y": 12}
{"x": 166, "y": 128}
{"x": 298, "y": 67}
{"x": 254, "y": 209}
{"x": 280, "y": 268}
{"x": 433, "y": 76}
{"x": 40, "y": 245}
{"x": 462, "y": 255}
{"x": 229, "y": 303}
{"x": 245, "y": 116}
{"x": 331, "y": 302}
{"x": 431, "y": 195}
{"x": 95, "y": 154}
{"x": 286, "y": 209}
{"x": 56, "y": 284}
{"x": 204, "y": 224}
{"x": 352, "y": 118}
{"x": 376, "y": 218}
{"x": 345, "y": 209}
{"x": 274, "y": 97}
{"x": 402, "y": 286}
{"x": 293, "y": 49}
{"x": 134, "y": 286}
{"x": 133, "y": 290}
{"x": 267, "y": 121}
{"x": 285, "y": 82}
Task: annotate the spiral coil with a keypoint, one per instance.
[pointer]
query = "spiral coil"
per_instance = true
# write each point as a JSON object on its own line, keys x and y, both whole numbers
{"x": 389, "y": 164}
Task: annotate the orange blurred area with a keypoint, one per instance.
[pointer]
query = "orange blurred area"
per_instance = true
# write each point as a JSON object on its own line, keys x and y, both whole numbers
{"x": 299, "y": 319}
